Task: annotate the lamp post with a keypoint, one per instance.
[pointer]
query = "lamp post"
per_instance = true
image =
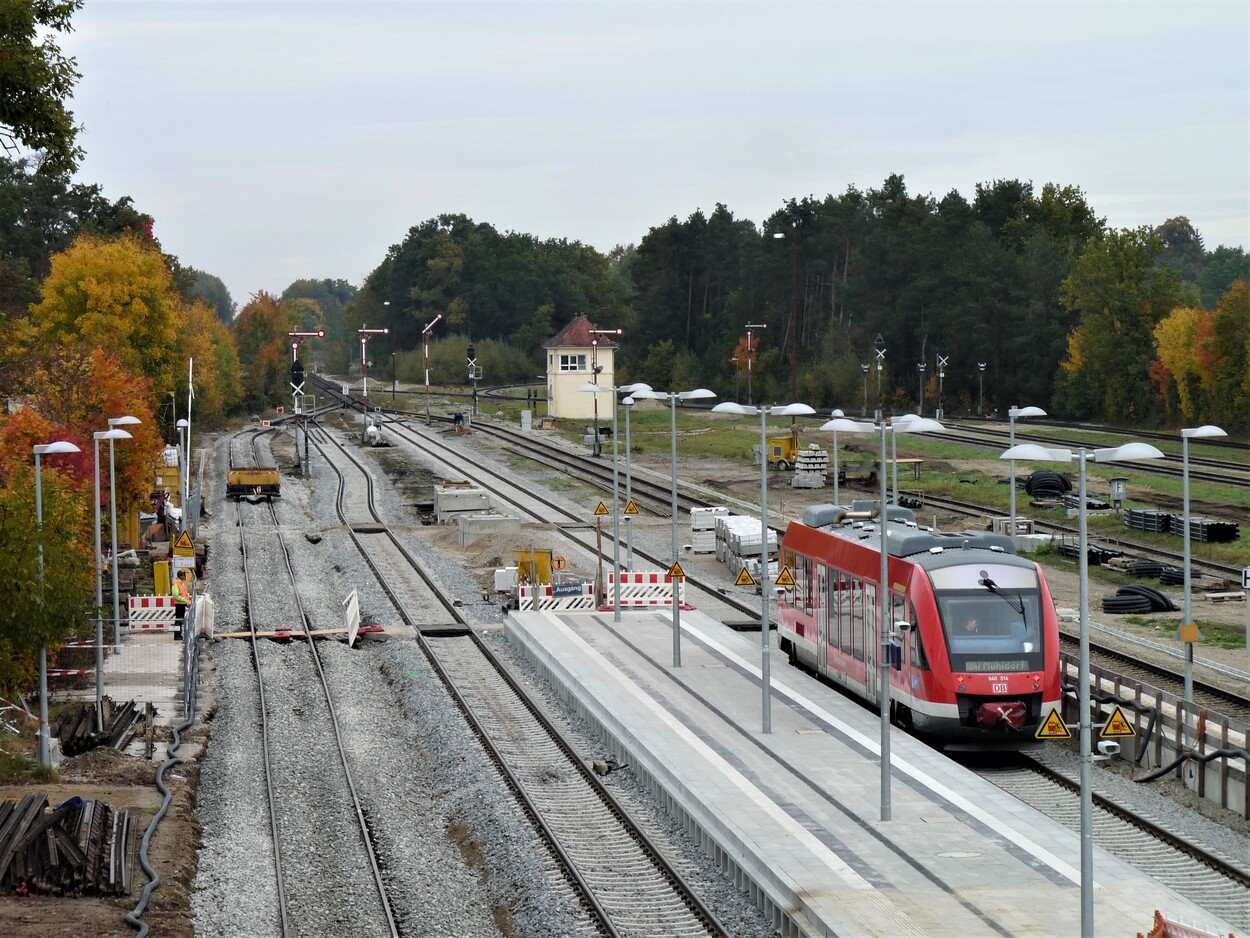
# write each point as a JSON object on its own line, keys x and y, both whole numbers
{"x": 865, "y": 368}
{"x": 628, "y": 403}
{"x": 597, "y": 389}
{"x": 1188, "y": 632}
{"x": 1012, "y": 414}
{"x": 785, "y": 410}
{"x": 109, "y": 435}
{"x": 44, "y": 449}
{"x": 183, "y": 457}
{"x": 1124, "y": 453}
{"x": 981, "y": 389}
{"x": 364, "y": 360}
{"x": 751, "y": 327}
{"x": 130, "y": 422}
{"x": 920, "y": 366}
{"x": 425, "y": 340}
{"x": 834, "y": 426}
{"x": 673, "y": 397}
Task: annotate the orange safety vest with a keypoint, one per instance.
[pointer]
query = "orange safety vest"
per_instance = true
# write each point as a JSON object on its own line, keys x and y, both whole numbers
{"x": 182, "y": 592}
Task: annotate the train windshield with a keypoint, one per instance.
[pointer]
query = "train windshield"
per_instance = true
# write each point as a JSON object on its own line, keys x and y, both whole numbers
{"x": 992, "y": 630}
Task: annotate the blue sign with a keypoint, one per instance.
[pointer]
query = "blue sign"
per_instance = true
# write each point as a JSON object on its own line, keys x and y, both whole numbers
{"x": 572, "y": 589}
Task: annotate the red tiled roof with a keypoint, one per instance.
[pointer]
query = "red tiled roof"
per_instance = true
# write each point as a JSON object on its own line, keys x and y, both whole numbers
{"x": 577, "y": 334}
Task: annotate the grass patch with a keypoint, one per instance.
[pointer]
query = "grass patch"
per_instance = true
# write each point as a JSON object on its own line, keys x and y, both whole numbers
{"x": 1219, "y": 634}
{"x": 22, "y": 768}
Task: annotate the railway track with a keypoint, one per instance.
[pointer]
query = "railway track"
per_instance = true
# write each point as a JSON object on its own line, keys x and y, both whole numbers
{"x": 626, "y": 884}
{"x": 1196, "y": 871}
{"x": 306, "y": 889}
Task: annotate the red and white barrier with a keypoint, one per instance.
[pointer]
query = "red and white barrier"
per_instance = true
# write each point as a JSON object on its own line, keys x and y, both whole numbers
{"x": 644, "y": 589}
{"x": 571, "y": 596}
{"x": 152, "y": 613}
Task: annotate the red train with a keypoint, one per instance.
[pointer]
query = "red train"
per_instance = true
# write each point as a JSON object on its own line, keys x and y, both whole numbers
{"x": 975, "y": 644}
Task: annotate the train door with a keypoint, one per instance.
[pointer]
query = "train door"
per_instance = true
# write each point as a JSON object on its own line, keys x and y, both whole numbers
{"x": 871, "y": 641}
{"x": 822, "y": 620}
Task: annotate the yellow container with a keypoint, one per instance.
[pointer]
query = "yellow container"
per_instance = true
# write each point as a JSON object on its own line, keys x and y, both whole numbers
{"x": 533, "y": 566}
{"x": 160, "y": 576}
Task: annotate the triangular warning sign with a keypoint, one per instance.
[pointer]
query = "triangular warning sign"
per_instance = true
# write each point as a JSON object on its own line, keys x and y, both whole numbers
{"x": 676, "y": 571}
{"x": 601, "y": 509}
{"x": 744, "y": 578}
{"x": 1117, "y": 725}
{"x": 1053, "y": 727}
{"x": 631, "y": 509}
{"x": 785, "y": 578}
{"x": 183, "y": 546}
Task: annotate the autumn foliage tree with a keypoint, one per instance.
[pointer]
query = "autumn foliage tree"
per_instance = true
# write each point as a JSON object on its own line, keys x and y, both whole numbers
{"x": 41, "y": 603}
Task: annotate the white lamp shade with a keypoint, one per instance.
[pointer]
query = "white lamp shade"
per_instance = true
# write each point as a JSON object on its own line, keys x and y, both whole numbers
{"x": 1128, "y": 452}
{"x": 845, "y": 425}
{"x": 1037, "y": 452}
{"x": 1205, "y": 430}
{"x": 729, "y": 407}
{"x": 1026, "y": 412}
{"x": 60, "y": 446}
{"x": 123, "y": 421}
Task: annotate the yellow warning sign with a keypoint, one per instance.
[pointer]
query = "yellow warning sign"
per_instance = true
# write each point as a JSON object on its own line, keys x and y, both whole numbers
{"x": 631, "y": 509}
{"x": 676, "y": 571}
{"x": 744, "y": 578}
{"x": 1187, "y": 633}
{"x": 1117, "y": 725}
{"x": 183, "y": 547}
{"x": 601, "y": 509}
{"x": 785, "y": 577}
{"x": 1053, "y": 727}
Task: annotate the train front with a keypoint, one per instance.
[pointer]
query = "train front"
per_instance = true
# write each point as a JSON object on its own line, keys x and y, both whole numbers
{"x": 1000, "y": 635}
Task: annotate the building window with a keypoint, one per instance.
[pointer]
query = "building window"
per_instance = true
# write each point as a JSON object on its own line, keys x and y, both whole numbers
{"x": 573, "y": 363}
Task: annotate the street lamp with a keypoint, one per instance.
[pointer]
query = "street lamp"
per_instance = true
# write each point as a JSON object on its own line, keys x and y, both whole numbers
{"x": 834, "y": 425}
{"x": 109, "y": 435}
{"x": 1188, "y": 632}
{"x": 784, "y": 410}
{"x": 616, "y": 487}
{"x": 183, "y": 458}
{"x": 130, "y": 422}
{"x": 905, "y": 424}
{"x": 42, "y": 449}
{"x": 1012, "y": 414}
{"x": 425, "y": 339}
{"x": 673, "y": 397}
{"x": 628, "y": 403}
{"x": 1126, "y": 452}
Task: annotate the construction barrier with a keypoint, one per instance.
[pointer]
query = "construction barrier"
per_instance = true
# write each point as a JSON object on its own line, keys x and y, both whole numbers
{"x": 565, "y": 596}
{"x": 152, "y": 613}
{"x": 645, "y": 589}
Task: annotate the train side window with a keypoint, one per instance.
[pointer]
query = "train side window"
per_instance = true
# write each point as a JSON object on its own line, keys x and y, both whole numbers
{"x": 846, "y": 606}
{"x": 832, "y": 600}
{"x": 919, "y": 660}
{"x": 871, "y": 613}
{"x": 809, "y": 590}
{"x": 858, "y": 623}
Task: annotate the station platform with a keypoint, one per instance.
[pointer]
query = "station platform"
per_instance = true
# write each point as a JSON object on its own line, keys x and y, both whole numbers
{"x": 793, "y": 815}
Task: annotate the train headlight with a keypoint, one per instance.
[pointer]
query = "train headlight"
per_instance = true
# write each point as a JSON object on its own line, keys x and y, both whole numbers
{"x": 963, "y": 686}
{"x": 1037, "y": 687}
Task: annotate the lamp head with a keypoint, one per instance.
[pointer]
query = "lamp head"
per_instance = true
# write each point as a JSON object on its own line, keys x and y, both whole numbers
{"x": 792, "y": 410}
{"x": 113, "y": 434}
{"x": 696, "y": 395}
{"x": 1127, "y": 452}
{"x": 182, "y": 423}
{"x": 1203, "y": 431}
{"x": 1026, "y": 412}
{"x": 845, "y": 425}
{"x": 1038, "y": 452}
{"x": 123, "y": 421}
{"x": 52, "y": 449}
{"x": 730, "y": 407}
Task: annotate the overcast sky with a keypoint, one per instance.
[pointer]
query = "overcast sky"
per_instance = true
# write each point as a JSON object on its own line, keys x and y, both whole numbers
{"x": 279, "y": 140}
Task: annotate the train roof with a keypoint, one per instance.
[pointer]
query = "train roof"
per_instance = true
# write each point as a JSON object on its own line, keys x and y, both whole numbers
{"x": 921, "y": 545}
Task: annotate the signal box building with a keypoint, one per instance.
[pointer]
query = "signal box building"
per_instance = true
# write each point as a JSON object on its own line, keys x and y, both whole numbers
{"x": 574, "y": 356}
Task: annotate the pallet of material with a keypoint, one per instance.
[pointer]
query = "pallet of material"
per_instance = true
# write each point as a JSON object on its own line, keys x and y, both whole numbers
{"x": 1229, "y": 597}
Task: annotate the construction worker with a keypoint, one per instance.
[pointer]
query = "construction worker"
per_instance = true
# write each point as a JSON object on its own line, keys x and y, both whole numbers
{"x": 182, "y": 599}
